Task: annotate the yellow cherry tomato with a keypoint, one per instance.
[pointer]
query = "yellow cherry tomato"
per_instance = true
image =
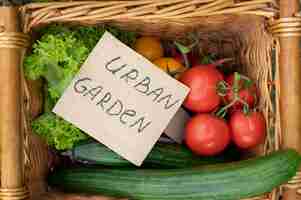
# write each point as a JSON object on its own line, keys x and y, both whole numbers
{"x": 149, "y": 47}
{"x": 170, "y": 66}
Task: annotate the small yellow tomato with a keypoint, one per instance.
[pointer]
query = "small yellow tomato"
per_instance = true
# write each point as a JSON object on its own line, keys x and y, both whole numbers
{"x": 170, "y": 66}
{"x": 149, "y": 47}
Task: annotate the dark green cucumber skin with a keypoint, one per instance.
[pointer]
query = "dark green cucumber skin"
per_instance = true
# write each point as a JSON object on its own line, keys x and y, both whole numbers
{"x": 161, "y": 156}
{"x": 230, "y": 181}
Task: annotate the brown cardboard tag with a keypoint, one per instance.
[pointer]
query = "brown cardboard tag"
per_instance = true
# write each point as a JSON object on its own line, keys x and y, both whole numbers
{"x": 121, "y": 99}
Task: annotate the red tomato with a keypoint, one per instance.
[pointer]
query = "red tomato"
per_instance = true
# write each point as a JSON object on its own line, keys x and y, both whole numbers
{"x": 247, "y": 130}
{"x": 248, "y": 95}
{"x": 202, "y": 81}
{"x": 207, "y": 135}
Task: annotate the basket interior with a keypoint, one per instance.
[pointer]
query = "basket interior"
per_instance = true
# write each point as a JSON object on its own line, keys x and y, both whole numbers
{"x": 241, "y": 37}
{"x": 244, "y": 38}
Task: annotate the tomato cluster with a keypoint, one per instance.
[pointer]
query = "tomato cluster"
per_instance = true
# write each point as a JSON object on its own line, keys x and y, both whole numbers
{"x": 207, "y": 133}
{"x": 224, "y": 105}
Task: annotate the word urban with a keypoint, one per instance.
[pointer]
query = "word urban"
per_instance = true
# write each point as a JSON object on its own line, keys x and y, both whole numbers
{"x": 133, "y": 77}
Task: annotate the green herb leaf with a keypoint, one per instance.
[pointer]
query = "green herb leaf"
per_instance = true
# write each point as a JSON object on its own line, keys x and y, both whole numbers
{"x": 183, "y": 49}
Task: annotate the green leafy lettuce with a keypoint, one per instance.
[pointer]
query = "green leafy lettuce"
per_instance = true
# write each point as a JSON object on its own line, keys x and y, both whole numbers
{"x": 57, "y": 57}
{"x": 57, "y": 60}
{"x": 58, "y": 132}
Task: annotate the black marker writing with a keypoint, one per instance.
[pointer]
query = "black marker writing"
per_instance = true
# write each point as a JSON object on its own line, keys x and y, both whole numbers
{"x": 79, "y": 87}
{"x": 141, "y": 125}
{"x": 113, "y": 108}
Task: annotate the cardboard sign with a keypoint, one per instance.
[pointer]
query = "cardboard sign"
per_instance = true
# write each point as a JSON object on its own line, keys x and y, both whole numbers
{"x": 121, "y": 99}
{"x": 176, "y": 127}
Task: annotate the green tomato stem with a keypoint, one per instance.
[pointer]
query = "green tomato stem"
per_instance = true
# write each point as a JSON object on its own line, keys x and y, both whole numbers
{"x": 223, "y": 110}
{"x": 186, "y": 61}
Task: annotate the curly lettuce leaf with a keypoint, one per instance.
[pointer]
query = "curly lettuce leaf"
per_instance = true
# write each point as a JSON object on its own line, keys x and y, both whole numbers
{"x": 59, "y": 133}
{"x": 60, "y": 52}
{"x": 56, "y": 58}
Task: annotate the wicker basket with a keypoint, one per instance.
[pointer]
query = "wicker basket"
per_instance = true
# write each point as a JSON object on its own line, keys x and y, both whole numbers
{"x": 258, "y": 34}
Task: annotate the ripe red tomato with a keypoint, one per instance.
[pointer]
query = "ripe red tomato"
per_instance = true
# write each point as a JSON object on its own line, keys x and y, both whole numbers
{"x": 247, "y": 94}
{"x": 207, "y": 135}
{"x": 202, "y": 81}
{"x": 247, "y": 130}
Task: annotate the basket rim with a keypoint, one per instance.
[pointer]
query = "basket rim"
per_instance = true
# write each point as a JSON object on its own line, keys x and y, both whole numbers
{"x": 34, "y": 14}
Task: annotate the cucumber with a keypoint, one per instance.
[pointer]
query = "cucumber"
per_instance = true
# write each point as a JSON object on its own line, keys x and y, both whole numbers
{"x": 161, "y": 156}
{"x": 230, "y": 181}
